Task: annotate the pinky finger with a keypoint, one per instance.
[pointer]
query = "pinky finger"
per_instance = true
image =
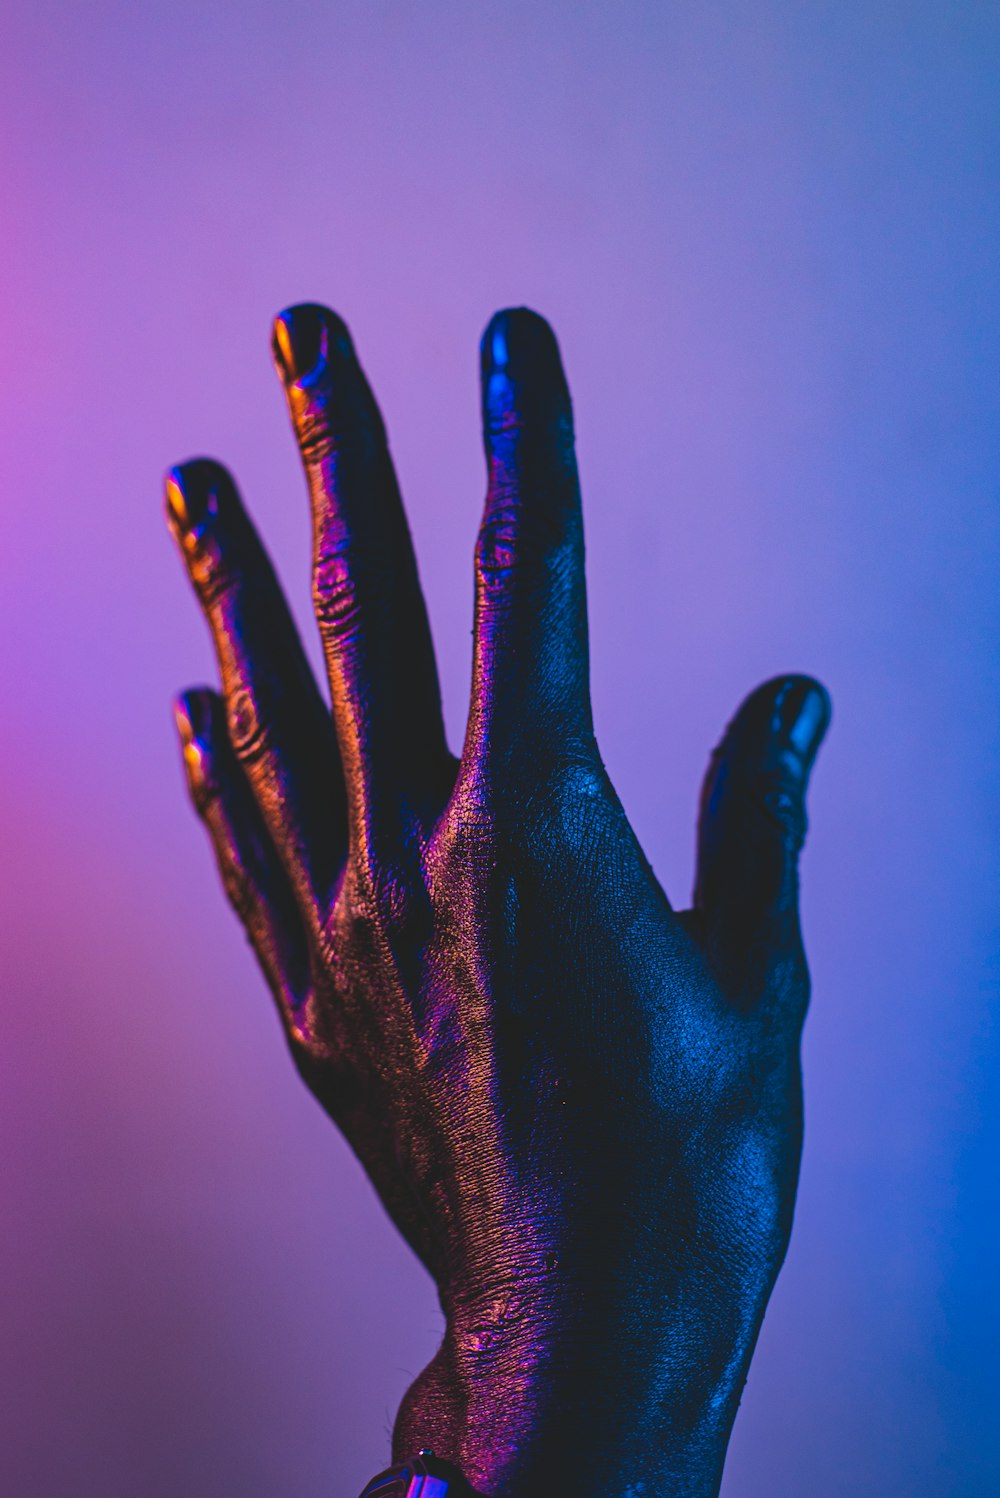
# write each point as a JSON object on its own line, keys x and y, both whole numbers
{"x": 254, "y": 879}
{"x": 751, "y": 830}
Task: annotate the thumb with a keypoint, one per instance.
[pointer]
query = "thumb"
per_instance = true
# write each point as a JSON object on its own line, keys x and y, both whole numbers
{"x": 751, "y": 828}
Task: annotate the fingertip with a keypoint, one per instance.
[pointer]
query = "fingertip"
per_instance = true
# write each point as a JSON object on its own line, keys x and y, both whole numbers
{"x": 521, "y": 344}
{"x": 751, "y": 829}
{"x": 521, "y": 369}
{"x": 304, "y": 337}
{"x": 192, "y": 492}
{"x": 800, "y": 716}
{"x": 806, "y": 711}
{"x": 787, "y": 716}
{"x": 517, "y": 334}
{"x": 195, "y": 714}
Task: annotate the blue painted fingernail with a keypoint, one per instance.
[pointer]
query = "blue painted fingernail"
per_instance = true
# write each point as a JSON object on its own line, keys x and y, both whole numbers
{"x": 521, "y": 344}
{"x": 522, "y": 373}
{"x": 803, "y": 713}
{"x": 498, "y": 345}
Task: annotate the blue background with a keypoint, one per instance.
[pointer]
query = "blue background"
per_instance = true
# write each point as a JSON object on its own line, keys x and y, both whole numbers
{"x": 767, "y": 237}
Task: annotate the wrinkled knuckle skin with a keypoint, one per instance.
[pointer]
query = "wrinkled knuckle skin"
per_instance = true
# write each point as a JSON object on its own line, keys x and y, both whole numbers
{"x": 520, "y": 538}
{"x": 335, "y": 601}
{"x": 785, "y": 807}
{"x": 528, "y": 430}
{"x": 317, "y": 438}
{"x": 334, "y": 586}
{"x": 768, "y": 799}
{"x": 249, "y": 732}
{"x": 497, "y": 546}
{"x": 210, "y": 570}
{"x": 332, "y": 430}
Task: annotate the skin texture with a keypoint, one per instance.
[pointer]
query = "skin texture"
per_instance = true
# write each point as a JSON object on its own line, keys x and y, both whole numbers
{"x": 581, "y": 1108}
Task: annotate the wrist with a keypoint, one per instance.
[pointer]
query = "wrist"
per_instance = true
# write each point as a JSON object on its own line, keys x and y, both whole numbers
{"x": 522, "y": 1417}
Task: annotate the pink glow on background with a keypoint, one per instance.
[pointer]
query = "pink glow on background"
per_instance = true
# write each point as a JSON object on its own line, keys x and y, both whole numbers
{"x": 767, "y": 238}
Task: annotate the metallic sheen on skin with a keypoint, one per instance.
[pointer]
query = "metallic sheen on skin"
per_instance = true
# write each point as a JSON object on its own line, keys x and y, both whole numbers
{"x": 580, "y": 1108}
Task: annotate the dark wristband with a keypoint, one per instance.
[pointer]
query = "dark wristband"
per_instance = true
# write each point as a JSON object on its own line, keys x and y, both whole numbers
{"x": 426, "y": 1476}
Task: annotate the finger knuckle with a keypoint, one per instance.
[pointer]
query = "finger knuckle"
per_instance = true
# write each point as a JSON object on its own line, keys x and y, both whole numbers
{"x": 784, "y": 806}
{"x": 328, "y": 430}
{"x": 530, "y": 536}
{"x": 334, "y": 590}
{"x": 211, "y": 572}
{"x": 497, "y": 546}
{"x": 249, "y": 730}
{"x": 525, "y": 431}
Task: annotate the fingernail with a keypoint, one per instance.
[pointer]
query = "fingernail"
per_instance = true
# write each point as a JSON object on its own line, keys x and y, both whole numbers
{"x": 304, "y": 338}
{"x": 192, "y": 715}
{"x": 521, "y": 345}
{"x": 182, "y": 720}
{"x": 803, "y": 713}
{"x": 522, "y": 375}
{"x": 192, "y": 496}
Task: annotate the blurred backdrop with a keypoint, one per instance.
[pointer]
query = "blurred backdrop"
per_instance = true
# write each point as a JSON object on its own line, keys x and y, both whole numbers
{"x": 767, "y": 237}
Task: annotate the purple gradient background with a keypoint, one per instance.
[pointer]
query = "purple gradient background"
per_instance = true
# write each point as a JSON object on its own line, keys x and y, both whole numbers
{"x": 767, "y": 237}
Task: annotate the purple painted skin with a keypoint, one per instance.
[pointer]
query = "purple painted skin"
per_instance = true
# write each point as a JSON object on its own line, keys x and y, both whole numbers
{"x": 581, "y": 1108}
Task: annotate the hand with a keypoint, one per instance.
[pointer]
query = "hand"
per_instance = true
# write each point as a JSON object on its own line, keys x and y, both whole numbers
{"x": 582, "y": 1109}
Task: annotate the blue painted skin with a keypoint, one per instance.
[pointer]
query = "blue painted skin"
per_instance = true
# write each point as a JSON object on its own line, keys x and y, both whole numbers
{"x": 581, "y": 1108}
